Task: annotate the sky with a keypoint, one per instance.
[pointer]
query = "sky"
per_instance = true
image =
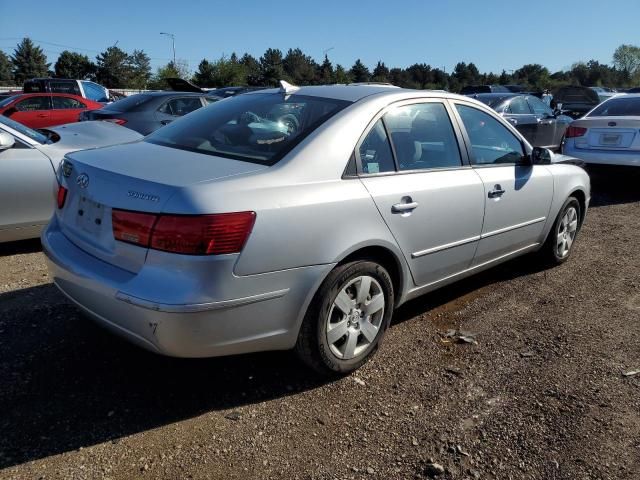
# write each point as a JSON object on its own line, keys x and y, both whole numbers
{"x": 493, "y": 34}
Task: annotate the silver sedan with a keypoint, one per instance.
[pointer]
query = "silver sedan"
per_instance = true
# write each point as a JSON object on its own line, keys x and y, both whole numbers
{"x": 28, "y": 159}
{"x": 302, "y": 218}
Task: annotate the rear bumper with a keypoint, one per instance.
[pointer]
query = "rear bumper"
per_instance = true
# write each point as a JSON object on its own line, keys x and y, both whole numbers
{"x": 602, "y": 157}
{"x": 264, "y": 313}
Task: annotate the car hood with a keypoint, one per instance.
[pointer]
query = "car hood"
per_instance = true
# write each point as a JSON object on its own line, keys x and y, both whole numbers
{"x": 558, "y": 158}
{"x": 83, "y": 135}
{"x": 574, "y": 94}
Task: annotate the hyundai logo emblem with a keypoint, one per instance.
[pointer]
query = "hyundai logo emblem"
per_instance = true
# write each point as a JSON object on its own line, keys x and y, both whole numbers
{"x": 612, "y": 124}
{"x": 83, "y": 180}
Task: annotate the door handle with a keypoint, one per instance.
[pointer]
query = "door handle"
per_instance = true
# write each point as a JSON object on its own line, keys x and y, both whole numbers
{"x": 407, "y": 205}
{"x": 42, "y": 115}
{"x": 497, "y": 191}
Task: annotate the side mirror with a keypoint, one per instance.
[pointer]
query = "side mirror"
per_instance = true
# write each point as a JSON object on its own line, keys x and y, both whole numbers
{"x": 541, "y": 156}
{"x": 6, "y": 141}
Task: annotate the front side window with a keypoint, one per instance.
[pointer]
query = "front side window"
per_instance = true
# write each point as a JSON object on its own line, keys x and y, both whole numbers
{"x": 491, "y": 142}
{"x": 375, "y": 151}
{"x": 64, "y": 103}
{"x": 518, "y": 106}
{"x": 180, "y": 106}
{"x": 260, "y": 128}
{"x": 423, "y": 137}
{"x": 539, "y": 107}
{"x": 33, "y": 104}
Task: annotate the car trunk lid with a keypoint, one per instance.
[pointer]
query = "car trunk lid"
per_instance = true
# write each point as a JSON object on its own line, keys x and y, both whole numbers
{"x": 609, "y": 133}
{"x": 139, "y": 177}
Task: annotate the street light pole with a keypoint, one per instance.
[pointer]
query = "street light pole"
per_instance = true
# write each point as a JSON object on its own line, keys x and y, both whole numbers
{"x": 173, "y": 44}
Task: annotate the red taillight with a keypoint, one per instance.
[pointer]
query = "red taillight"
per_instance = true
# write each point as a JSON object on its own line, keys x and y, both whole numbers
{"x": 133, "y": 227}
{"x": 119, "y": 121}
{"x": 187, "y": 234}
{"x": 573, "y": 132}
{"x": 62, "y": 196}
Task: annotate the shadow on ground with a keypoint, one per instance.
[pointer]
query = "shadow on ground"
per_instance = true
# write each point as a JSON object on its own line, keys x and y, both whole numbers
{"x": 613, "y": 185}
{"x": 15, "y": 248}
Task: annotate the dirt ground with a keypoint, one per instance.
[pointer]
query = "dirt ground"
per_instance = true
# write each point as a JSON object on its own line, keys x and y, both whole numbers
{"x": 541, "y": 395}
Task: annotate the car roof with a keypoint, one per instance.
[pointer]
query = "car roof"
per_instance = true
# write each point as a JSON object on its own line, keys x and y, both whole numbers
{"x": 166, "y": 93}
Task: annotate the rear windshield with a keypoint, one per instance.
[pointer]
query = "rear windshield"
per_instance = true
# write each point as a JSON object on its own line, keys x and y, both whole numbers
{"x": 490, "y": 100}
{"x": 128, "y": 103}
{"x": 259, "y": 128}
{"x": 618, "y": 107}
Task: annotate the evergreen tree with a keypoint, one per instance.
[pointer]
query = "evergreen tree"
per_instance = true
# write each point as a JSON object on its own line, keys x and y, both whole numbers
{"x": 74, "y": 65}
{"x": 29, "y": 61}
{"x": 359, "y": 72}
{"x": 252, "y": 69}
{"x": 204, "y": 76}
{"x": 271, "y": 68}
{"x": 140, "y": 69}
{"x": 326, "y": 74}
{"x": 299, "y": 68}
{"x": 381, "y": 72}
{"x": 342, "y": 76}
{"x": 114, "y": 68}
{"x": 6, "y": 75}
{"x": 420, "y": 74}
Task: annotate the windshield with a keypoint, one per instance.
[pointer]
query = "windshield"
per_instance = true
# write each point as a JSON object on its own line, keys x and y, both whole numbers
{"x": 259, "y": 128}
{"x": 618, "y": 107}
{"x": 26, "y": 131}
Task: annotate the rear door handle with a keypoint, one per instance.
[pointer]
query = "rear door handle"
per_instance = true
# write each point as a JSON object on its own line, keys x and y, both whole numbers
{"x": 404, "y": 207}
{"x": 497, "y": 191}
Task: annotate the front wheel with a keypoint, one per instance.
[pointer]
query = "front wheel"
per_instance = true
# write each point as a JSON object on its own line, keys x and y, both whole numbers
{"x": 347, "y": 318}
{"x": 562, "y": 236}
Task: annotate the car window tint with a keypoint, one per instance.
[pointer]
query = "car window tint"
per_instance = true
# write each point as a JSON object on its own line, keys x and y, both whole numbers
{"x": 539, "y": 107}
{"x": 64, "y": 86}
{"x": 618, "y": 107}
{"x": 33, "y": 103}
{"x": 518, "y": 106}
{"x": 491, "y": 142}
{"x": 423, "y": 137}
{"x": 63, "y": 103}
{"x": 180, "y": 106}
{"x": 375, "y": 151}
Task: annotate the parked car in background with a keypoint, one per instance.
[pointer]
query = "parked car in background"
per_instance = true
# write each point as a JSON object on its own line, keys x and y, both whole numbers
{"x": 539, "y": 124}
{"x": 225, "y": 92}
{"x": 82, "y": 88}
{"x": 574, "y": 100}
{"x": 633, "y": 90}
{"x": 229, "y": 231}
{"x": 471, "y": 89}
{"x": 10, "y": 93}
{"x": 28, "y": 159}
{"x": 146, "y": 112}
{"x": 604, "y": 93}
{"x": 40, "y": 110}
{"x": 609, "y": 134}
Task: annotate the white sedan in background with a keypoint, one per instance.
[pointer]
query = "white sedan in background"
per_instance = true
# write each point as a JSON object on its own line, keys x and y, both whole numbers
{"x": 28, "y": 159}
{"x": 609, "y": 134}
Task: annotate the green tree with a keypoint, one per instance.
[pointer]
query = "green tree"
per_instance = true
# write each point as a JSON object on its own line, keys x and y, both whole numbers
{"x": 534, "y": 75}
{"x": 228, "y": 72}
{"x": 359, "y": 72}
{"x": 29, "y": 61}
{"x": 380, "y": 73}
{"x": 627, "y": 59}
{"x": 170, "y": 70}
{"x": 74, "y": 65}
{"x": 204, "y": 76}
{"x": 342, "y": 76}
{"x": 6, "y": 75}
{"x": 326, "y": 75}
{"x": 299, "y": 68}
{"x": 140, "y": 65}
{"x": 420, "y": 75}
{"x": 252, "y": 69}
{"x": 114, "y": 68}
{"x": 271, "y": 68}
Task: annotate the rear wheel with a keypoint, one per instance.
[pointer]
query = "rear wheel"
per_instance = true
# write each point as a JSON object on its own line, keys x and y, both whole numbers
{"x": 347, "y": 318}
{"x": 562, "y": 236}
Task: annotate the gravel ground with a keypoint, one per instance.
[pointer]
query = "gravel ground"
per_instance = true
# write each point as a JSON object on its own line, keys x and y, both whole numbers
{"x": 541, "y": 395}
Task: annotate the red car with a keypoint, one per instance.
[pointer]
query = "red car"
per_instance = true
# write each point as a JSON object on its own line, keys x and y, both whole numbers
{"x": 40, "y": 110}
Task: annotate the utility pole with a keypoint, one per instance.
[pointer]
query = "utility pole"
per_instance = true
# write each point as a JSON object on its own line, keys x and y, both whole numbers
{"x": 173, "y": 45}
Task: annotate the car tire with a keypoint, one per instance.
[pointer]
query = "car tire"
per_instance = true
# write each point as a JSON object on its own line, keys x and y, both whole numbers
{"x": 559, "y": 244}
{"x": 347, "y": 318}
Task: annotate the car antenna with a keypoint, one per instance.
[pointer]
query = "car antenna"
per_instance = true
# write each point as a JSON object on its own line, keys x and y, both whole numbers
{"x": 287, "y": 88}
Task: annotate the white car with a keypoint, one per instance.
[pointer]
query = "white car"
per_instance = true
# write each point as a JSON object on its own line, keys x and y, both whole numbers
{"x": 609, "y": 134}
{"x": 28, "y": 159}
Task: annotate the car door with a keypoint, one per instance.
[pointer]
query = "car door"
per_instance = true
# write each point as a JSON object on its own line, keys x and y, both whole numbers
{"x": 520, "y": 115}
{"x": 176, "y": 108}
{"x": 65, "y": 109}
{"x": 34, "y": 112}
{"x": 427, "y": 194}
{"x": 517, "y": 195}
{"x": 27, "y": 182}
{"x": 548, "y": 131}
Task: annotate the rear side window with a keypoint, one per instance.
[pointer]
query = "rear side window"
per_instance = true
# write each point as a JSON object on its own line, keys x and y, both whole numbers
{"x": 618, "y": 107}
{"x": 63, "y": 103}
{"x": 375, "y": 151}
{"x": 423, "y": 137}
{"x": 518, "y": 106}
{"x": 178, "y": 107}
{"x": 33, "y": 103}
{"x": 259, "y": 128}
{"x": 491, "y": 142}
{"x": 64, "y": 86}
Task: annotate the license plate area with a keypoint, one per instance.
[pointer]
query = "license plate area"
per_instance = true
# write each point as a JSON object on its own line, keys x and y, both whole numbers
{"x": 610, "y": 139}
{"x": 90, "y": 215}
